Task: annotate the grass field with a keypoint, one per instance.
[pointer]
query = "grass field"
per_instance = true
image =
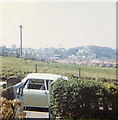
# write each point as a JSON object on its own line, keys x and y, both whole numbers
{"x": 15, "y": 66}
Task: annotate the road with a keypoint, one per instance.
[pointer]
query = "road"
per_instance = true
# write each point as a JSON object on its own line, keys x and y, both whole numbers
{"x": 36, "y": 114}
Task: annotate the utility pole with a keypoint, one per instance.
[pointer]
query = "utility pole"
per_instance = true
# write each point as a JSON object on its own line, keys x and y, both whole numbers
{"x": 21, "y": 41}
{"x": 36, "y": 70}
{"x": 60, "y": 45}
{"x": 79, "y": 72}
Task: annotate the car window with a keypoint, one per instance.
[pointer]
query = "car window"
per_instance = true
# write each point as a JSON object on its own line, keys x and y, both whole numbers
{"x": 48, "y": 84}
{"x": 36, "y": 84}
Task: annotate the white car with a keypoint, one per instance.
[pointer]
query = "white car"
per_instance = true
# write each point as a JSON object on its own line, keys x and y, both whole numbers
{"x": 36, "y": 89}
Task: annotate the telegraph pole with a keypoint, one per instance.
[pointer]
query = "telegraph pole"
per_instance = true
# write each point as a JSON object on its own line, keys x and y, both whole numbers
{"x": 36, "y": 70}
{"x": 79, "y": 72}
{"x": 21, "y": 41}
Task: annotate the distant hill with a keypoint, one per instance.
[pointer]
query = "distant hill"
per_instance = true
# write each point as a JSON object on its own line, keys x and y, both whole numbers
{"x": 94, "y": 52}
{"x": 76, "y": 53}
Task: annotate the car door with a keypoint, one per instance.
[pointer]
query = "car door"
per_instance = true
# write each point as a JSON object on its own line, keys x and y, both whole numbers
{"x": 36, "y": 94}
{"x": 18, "y": 90}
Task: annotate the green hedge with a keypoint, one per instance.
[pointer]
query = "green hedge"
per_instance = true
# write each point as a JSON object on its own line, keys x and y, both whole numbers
{"x": 83, "y": 99}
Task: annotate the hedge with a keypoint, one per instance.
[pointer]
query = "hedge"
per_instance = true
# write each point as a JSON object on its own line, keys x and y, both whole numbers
{"x": 83, "y": 99}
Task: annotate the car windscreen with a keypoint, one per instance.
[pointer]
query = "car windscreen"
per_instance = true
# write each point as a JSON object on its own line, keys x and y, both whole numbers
{"x": 36, "y": 84}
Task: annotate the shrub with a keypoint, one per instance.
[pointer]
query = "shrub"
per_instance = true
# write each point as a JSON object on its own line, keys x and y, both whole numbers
{"x": 112, "y": 96}
{"x": 11, "y": 109}
{"x": 82, "y": 99}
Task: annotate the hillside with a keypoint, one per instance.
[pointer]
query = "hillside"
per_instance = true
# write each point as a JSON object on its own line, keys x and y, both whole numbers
{"x": 15, "y": 66}
{"x": 94, "y": 52}
{"x": 77, "y": 53}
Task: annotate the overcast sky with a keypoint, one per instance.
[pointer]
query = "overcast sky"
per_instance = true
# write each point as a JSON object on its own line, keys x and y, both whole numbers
{"x": 50, "y": 24}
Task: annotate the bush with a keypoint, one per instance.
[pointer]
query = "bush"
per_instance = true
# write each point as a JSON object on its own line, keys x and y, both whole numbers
{"x": 112, "y": 96}
{"x": 83, "y": 99}
{"x": 11, "y": 109}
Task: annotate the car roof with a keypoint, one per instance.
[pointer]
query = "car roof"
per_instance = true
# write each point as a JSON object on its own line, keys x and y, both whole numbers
{"x": 46, "y": 76}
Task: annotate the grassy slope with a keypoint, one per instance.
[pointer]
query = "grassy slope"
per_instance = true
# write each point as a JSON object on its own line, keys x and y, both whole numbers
{"x": 20, "y": 67}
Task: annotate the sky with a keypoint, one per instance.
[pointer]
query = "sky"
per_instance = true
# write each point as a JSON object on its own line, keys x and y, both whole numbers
{"x": 58, "y": 24}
